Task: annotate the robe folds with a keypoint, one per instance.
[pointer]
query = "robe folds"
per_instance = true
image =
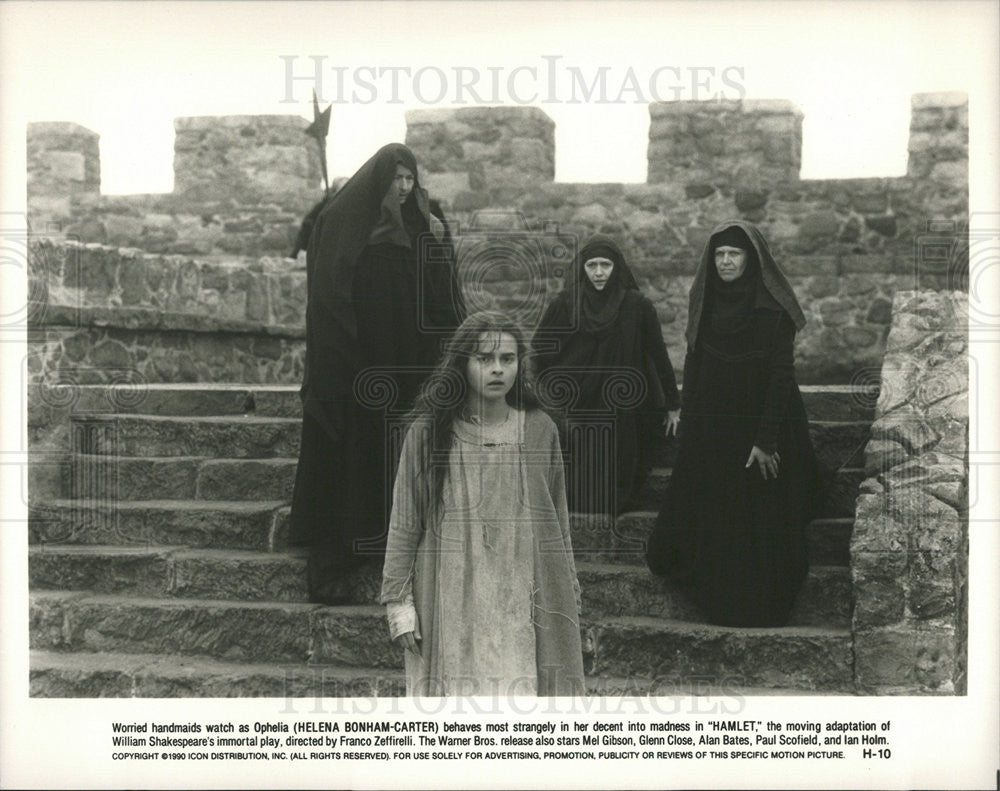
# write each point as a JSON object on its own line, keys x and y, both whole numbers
{"x": 607, "y": 347}
{"x": 732, "y": 541}
{"x": 382, "y": 294}
{"x": 491, "y": 572}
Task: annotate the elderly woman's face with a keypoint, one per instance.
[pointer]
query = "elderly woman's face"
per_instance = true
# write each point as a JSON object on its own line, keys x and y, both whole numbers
{"x": 730, "y": 262}
{"x": 599, "y": 271}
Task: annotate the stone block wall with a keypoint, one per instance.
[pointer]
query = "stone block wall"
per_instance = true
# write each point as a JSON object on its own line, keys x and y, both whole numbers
{"x": 119, "y": 315}
{"x": 244, "y": 183}
{"x": 64, "y": 162}
{"x": 847, "y": 244}
{"x": 909, "y": 550}
{"x": 473, "y": 154}
{"x": 242, "y": 186}
{"x": 750, "y": 145}
{"x": 252, "y": 156}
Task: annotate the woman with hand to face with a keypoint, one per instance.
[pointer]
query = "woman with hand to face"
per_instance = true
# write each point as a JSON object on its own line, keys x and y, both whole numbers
{"x": 731, "y": 532}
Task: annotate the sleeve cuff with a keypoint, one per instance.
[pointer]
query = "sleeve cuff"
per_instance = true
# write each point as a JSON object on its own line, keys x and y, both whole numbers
{"x": 402, "y": 617}
{"x": 768, "y": 445}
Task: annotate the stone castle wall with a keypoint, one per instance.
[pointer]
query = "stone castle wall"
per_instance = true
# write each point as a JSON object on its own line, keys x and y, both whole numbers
{"x": 243, "y": 185}
{"x": 909, "y": 550}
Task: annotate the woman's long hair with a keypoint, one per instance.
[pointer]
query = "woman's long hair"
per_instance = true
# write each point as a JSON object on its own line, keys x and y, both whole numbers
{"x": 443, "y": 395}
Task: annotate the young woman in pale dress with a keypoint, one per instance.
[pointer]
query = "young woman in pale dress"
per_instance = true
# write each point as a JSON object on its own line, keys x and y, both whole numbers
{"x": 479, "y": 580}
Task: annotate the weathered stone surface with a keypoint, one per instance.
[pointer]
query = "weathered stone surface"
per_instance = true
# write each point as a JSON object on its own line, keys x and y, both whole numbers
{"x": 188, "y": 573}
{"x": 62, "y": 158}
{"x": 264, "y": 479}
{"x": 882, "y": 455}
{"x": 140, "y": 571}
{"x": 878, "y": 587}
{"x": 218, "y": 574}
{"x": 596, "y": 540}
{"x": 355, "y": 636}
{"x": 114, "y": 478}
{"x": 234, "y": 631}
{"x": 802, "y": 657}
{"x": 616, "y": 590}
{"x": 880, "y": 312}
{"x": 53, "y": 402}
{"x": 57, "y": 675}
{"x": 908, "y": 428}
{"x": 216, "y": 437}
{"x": 221, "y": 525}
{"x": 909, "y": 550}
{"x": 245, "y": 300}
{"x": 216, "y": 157}
{"x": 894, "y": 660}
{"x": 47, "y": 618}
{"x": 165, "y": 354}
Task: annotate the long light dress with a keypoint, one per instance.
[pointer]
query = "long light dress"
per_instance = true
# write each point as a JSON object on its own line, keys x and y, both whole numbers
{"x": 490, "y": 571}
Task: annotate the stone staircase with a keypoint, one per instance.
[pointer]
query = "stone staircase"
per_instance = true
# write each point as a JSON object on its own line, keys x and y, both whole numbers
{"x": 158, "y": 566}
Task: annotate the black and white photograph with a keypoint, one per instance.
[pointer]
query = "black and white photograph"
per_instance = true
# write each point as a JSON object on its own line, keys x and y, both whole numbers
{"x": 562, "y": 394}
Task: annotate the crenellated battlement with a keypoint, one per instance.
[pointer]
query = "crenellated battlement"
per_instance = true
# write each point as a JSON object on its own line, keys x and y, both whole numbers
{"x": 243, "y": 183}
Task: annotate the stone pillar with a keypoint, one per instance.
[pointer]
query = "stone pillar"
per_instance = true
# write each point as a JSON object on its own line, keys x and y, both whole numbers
{"x": 909, "y": 550}
{"x": 939, "y": 139}
{"x": 472, "y": 157}
{"x": 743, "y": 145}
{"x": 64, "y": 162}
{"x": 244, "y": 157}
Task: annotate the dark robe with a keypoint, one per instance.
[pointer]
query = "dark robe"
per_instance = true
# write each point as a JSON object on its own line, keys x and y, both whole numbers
{"x": 382, "y": 294}
{"x": 607, "y": 347}
{"x": 734, "y": 542}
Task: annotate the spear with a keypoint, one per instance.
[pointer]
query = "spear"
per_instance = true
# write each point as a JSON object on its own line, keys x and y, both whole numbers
{"x": 318, "y": 130}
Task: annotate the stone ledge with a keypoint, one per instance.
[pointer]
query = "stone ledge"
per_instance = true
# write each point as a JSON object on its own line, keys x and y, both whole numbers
{"x": 209, "y": 122}
{"x": 921, "y": 101}
{"x": 152, "y": 319}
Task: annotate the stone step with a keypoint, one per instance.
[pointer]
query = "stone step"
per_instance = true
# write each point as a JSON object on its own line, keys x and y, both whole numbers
{"x": 608, "y": 589}
{"x": 803, "y": 657}
{"x": 226, "y": 437}
{"x": 823, "y": 402}
{"x": 839, "y": 501}
{"x": 616, "y": 590}
{"x": 356, "y": 636}
{"x": 232, "y": 631}
{"x": 55, "y": 674}
{"x": 200, "y": 478}
{"x": 98, "y": 346}
{"x": 180, "y": 400}
{"x": 258, "y": 525}
{"x": 596, "y": 539}
{"x": 263, "y": 527}
{"x": 838, "y": 444}
{"x": 179, "y": 478}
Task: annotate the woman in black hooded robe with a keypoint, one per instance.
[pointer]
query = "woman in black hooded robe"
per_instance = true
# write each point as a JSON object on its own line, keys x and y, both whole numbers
{"x": 381, "y": 293}
{"x": 608, "y": 342}
{"x": 731, "y": 533}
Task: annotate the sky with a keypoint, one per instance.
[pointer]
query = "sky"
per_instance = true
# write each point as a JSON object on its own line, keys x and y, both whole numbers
{"x": 126, "y": 70}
